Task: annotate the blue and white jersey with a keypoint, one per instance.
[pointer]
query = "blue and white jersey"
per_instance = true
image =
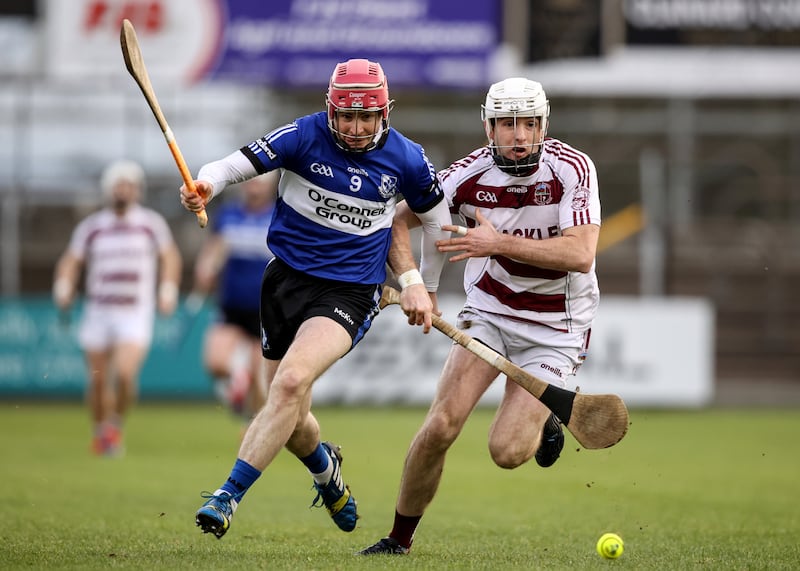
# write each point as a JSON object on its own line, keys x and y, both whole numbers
{"x": 334, "y": 212}
{"x": 245, "y": 235}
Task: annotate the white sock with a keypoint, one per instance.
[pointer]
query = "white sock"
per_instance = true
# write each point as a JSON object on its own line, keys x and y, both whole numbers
{"x": 325, "y": 476}
{"x": 239, "y": 358}
{"x": 220, "y": 387}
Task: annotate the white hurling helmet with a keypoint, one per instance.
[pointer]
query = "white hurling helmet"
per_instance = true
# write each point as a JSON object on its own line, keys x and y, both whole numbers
{"x": 121, "y": 170}
{"x": 515, "y": 97}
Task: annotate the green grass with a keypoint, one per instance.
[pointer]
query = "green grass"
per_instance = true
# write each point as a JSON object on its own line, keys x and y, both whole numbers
{"x": 714, "y": 489}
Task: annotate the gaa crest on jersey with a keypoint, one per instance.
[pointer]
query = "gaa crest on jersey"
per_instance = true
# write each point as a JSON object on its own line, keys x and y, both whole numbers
{"x": 580, "y": 199}
{"x": 388, "y": 187}
{"x": 542, "y": 194}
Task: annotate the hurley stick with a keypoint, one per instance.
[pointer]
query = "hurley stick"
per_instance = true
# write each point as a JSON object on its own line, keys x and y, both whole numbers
{"x": 135, "y": 64}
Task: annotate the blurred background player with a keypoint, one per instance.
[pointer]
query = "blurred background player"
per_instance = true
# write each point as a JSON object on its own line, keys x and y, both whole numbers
{"x": 232, "y": 262}
{"x": 126, "y": 250}
{"x": 532, "y": 209}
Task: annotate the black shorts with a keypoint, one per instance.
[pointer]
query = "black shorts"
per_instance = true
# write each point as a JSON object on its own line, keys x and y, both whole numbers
{"x": 289, "y": 297}
{"x": 248, "y": 320}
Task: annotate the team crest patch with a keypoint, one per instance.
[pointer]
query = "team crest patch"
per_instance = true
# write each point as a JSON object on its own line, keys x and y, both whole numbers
{"x": 388, "y": 186}
{"x": 542, "y": 194}
{"x": 580, "y": 200}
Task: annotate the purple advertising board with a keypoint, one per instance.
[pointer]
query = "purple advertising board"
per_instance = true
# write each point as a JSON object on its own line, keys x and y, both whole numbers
{"x": 296, "y": 43}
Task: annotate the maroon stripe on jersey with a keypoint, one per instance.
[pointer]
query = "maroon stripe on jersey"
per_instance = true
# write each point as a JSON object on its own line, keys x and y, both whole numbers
{"x": 523, "y": 301}
{"x": 488, "y": 196}
{"x": 120, "y": 230}
{"x": 121, "y": 277}
{"x": 465, "y": 193}
{"x": 113, "y": 299}
{"x": 573, "y": 158}
{"x": 511, "y": 199}
{"x": 526, "y": 270}
{"x": 578, "y": 170}
{"x": 582, "y": 217}
{"x": 462, "y": 163}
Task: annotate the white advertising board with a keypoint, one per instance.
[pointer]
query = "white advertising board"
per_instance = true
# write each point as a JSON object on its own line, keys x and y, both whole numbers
{"x": 653, "y": 352}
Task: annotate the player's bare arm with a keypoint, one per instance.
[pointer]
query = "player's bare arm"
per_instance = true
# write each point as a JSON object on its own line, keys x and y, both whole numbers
{"x": 415, "y": 301}
{"x": 573, "y": 251}
{"x": 171, "y": 264}
{"x": 209, "y": 262}
{"x": 68, "y": 270}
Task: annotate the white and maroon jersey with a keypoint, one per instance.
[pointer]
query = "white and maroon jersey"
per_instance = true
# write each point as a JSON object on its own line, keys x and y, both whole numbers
{"x": 121, "y": 256}
{"x": 561, "y": 193}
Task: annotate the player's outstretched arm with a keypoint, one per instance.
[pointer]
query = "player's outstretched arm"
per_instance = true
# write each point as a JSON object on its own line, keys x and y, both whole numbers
{"x": 414, "y": 299}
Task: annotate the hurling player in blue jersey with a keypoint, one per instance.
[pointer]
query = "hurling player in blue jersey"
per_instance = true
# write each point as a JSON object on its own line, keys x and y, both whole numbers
{"x": 231, "y": 263}
{"x": 343, "y": 171}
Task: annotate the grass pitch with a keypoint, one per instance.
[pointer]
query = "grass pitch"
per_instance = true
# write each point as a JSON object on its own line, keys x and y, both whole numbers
{"x": 715, "y": 489}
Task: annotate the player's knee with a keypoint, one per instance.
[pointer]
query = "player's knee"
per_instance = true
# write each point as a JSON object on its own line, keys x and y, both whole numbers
{"x": 509, "y": 453}
{"x": 291, "y": 384}
{"x": 127, "y": 376}
{"x": 441, "y": 430}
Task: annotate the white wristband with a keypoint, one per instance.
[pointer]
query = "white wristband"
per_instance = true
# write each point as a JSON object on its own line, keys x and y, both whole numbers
{"x": 409, "y": 278}
{"x": 167, "y": 293}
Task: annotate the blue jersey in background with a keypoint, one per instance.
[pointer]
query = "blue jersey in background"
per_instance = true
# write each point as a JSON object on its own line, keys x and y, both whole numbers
{"x": 245, "y": 235}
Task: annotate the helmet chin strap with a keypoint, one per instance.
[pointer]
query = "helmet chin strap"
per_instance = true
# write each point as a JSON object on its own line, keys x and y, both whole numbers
{"x": 515, "y": 167}
{"x": 377, "y": 140}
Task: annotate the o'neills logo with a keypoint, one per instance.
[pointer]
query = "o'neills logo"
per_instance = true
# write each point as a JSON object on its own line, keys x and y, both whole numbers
{"x": 552, "y": 369}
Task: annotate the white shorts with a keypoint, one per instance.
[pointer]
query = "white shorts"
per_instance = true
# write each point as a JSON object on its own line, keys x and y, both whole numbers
{"x": 103, "y": 327}
{"x": 551, "y": 355}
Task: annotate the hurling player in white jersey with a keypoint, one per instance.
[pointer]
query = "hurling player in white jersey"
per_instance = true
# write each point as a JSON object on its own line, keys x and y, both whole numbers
{"x": 342, "y": 173}
{"x": 126, "y": 249}
{"x": 532, "y": 218}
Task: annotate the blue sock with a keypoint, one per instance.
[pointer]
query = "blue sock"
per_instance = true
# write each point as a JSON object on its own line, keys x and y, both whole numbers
{"x": 242, "y": 477}
{"x": 317, "y": 461}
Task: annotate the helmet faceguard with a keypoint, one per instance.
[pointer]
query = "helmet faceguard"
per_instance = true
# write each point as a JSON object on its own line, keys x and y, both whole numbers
{"x": 515, "y": 98}
{"x": 356, "y": 86}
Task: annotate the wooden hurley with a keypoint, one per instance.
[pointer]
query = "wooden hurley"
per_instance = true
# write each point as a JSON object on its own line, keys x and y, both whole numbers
{"x": 135, "y": 64}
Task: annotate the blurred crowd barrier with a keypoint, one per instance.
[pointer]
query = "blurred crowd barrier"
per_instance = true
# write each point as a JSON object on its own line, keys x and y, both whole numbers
{"x": 655, "y": 352}
{"x": 40, "y": 357}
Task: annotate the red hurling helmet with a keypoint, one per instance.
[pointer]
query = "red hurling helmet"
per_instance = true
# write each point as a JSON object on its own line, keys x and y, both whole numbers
{"x": 358, "y": 85}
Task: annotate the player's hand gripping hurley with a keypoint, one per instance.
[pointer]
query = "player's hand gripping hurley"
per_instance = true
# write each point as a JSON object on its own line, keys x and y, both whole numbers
{"x": 596, "y": 421}
{"x": 135, "y": 64}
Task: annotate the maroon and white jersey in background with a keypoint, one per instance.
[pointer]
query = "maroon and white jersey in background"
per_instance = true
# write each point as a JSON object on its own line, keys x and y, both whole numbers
{"x": 121, "y": 256}
{"x": 561, "y": 193}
